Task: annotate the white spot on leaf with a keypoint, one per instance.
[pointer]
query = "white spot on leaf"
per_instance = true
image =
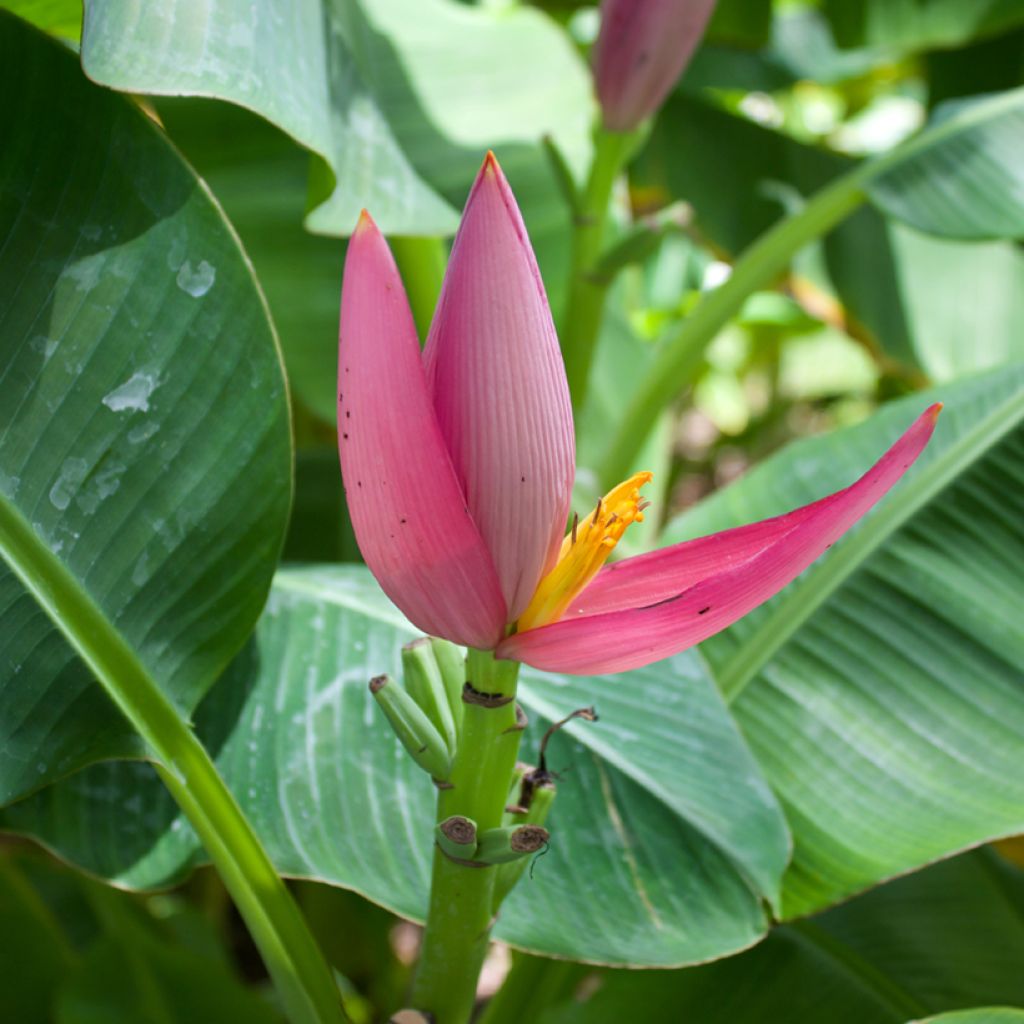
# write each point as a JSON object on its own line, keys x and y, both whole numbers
{"x": 133, "y": 394}
{"x": 72, "y": 473}
{"x": 196, "y": 282}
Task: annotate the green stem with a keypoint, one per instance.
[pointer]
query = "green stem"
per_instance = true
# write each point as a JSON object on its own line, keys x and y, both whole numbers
{"x": 581, "y": 320}
{"x": 681, "y": 354}
{"x": 533, "y": 985}
{"x": 421, "y": 262}
{"x": 460, "y": 917}
{"x": 298, "y": 970}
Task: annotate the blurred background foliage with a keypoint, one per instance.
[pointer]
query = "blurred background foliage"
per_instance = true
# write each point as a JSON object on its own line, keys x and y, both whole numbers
{"x": 782, "y": 98}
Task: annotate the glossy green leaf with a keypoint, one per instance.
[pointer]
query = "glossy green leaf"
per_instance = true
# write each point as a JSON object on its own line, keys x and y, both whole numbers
{"x": 665, "y": 839}
{"x": 912, "y": 25}
{"x": 968, "y": 181}
{"x": 949, "y": 937}
{"x": 882, "y": 692}
{"x": 144, "y": 440}
{"x": 982, "y": 1015}
{"x": 400, "y": 97}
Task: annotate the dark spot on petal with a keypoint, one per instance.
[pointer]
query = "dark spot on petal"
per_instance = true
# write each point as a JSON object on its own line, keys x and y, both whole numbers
{"x": 704, "y": 611}
{"x": 402, "y": 520}
{"x": 345, "y": 436}
{"x": 522, "y": 479}
{"x": 348, "y": 415}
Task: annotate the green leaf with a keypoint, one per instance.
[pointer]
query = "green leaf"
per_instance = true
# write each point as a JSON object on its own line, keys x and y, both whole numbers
{"x": 34, "y": 951}
{"x": 984, "y": 1015}
{"x": 144, "y": 439}
{"x": 399, "y": 97}
{"x": 913, "y": 296}
{"x": 132, "y": 973}
{"x": 968, "y": 180}
{"x": 744, "y": 22}
{"x": 987, "y": 66}
{"x": 261, "y": 178}
{"x": 918, "y": 297}
{"x": 912, "y": 25}
{"x": 58, "y": 17}
{"x": 801, "y": 47}
{"x": 660, "y": 807}
{"x": 881, "y": 692}
{"x": 948, "y": 937}
{"x": 75, "y": 952}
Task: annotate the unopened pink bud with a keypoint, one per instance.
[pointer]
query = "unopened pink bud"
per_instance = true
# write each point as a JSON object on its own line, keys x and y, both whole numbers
{"x": 641, "y": 50}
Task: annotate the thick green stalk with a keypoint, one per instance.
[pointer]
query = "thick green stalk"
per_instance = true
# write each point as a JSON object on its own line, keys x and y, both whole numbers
{"x": 581, "y": 320}
{"x": 460, "y": 917}
{"x": 421, "y": 262}
{"x": 298, "y": 970}
{"x": 681, "y": 354}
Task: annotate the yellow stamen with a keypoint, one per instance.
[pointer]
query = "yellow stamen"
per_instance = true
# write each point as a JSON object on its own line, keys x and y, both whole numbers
{"x": 585, "y": 550}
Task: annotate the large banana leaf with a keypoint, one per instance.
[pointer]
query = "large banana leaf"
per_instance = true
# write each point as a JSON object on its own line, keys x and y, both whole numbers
{"x": 949, "y": 937}
{"x": 967, "y": 181}
{"x": 400, "y": 97}
{"x": 144, "y": 439}
{"x": 665, "y": 839}
{"x": 882, "y": 692}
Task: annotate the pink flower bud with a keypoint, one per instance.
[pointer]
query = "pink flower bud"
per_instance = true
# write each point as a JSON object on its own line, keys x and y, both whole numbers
{"x": 641, "y": 50}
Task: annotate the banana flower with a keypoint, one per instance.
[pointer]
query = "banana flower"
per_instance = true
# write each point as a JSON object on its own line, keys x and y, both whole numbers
{"x": 458, "y": 464}
{"x": 641, "y": 50}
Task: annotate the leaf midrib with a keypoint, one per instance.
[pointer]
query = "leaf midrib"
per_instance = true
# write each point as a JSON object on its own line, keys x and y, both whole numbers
{"x": 791, "y": 612}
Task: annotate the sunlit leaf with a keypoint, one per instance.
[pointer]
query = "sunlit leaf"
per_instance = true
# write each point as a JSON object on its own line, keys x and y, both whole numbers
{"x": 401, "y": 98}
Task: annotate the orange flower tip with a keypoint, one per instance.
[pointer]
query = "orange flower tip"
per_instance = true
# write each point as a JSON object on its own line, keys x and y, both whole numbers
{"x": 491, "y": 163}
{"x": 365, "y": 223}
{"x": 935, "y": 410}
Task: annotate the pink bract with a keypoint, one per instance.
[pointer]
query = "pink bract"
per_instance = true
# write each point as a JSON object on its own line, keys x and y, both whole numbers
{"x": 458, "y": 469}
